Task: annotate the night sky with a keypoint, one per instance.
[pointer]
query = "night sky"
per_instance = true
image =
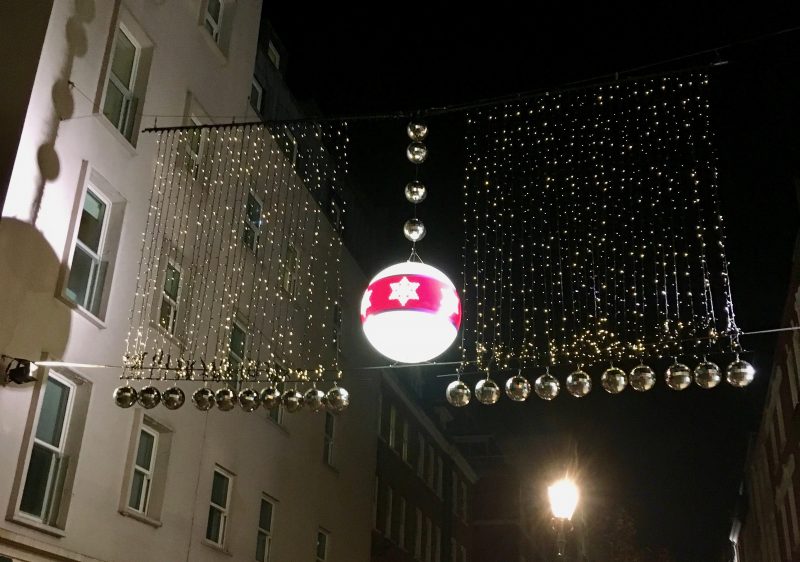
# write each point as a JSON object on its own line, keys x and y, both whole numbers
{"x": 672, "y": 461}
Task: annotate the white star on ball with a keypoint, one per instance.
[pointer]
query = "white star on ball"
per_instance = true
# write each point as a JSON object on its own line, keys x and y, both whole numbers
{"x": 404, "y": 291}
{"x": 365, "y": 302}
{"x": 449, "y": 303}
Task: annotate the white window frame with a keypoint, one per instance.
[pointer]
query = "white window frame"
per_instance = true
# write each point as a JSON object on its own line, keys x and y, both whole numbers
{"x": 265, "y": 533}
{"x": 194, "y": 158}
{"x": 290, "y": 279}
{"x": 240, "y": 325}
{"x": 259, "y": 95}
{"x": 147, "y": 472}
{"x": 247, "y": 224}
{"x": 224, "y": 510}
{"x": 215, "y": 25}
{"x": 327, "y": 535}
{"x": 130, "y": 102}
{"x": 172, "y": 303}
{"x": 273, "y": 55}
{"x": 329, "y": 439}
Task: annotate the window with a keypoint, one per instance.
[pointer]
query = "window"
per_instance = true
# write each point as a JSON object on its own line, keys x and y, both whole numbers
{"x": 212, "y": 21}
{"x": 168, "y": 315}
{"x": 399, "y": 533}
{"x": 322, "y": 545}
{"x": 327, "y": 453}
{"x": 421, "y": 459}
{"x": 143, "y": 470}
{"x": 439, "y": 474}
{"x": 291, "y": 271}
{"x": 236, "y": 346}
{"x": 438, "y": 545}
{"x": 273, "y": 55}
{"x": 404, "y": 444}
{"x": 392, "y": 426}
{"x": 387, "y": 528}
{"x": 120, "y": 102}
{"x": 252, "y": 222}
{"x": 47, "y": 468}
{"x": 428, "y": 539}
{"x": 264, "y": 537}
{"x": 376, "y": 502}
{"x": 463, "y": 551}
{"x": 216, "y": 529}
{"x": 256, "y": 95}
{"x": 418, "y": 536}
{"x": 88, "y": 270}
{"x": 195, "y": 145}
{"x": 462, "y": 501}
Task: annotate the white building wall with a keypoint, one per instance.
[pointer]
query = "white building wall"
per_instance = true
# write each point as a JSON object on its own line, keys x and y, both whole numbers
{"x": 36, "y": 238}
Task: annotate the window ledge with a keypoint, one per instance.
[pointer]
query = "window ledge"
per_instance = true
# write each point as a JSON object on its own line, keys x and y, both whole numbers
{"x": 332, "y": 468}
{"x": 31, "y": 523}
{"x": 213, "y": 45}
{"x": 140, "y": 517}
{"x": 82, "y": 311}
{"x": 172, "y": 338}
{"x": 281, "y": 427}
{"x": 215, "y": 546}
{"x": 122, "y": 139}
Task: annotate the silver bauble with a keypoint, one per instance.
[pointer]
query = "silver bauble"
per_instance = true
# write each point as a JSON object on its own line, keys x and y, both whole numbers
{"x": 614, "y": 380}
{"x": 707, "y": 374}
{"x": 173, "y": 398}
{"x": 678, "y": 376}
{"x": 547, "y": 387}
{"x": 149, "y": 397}
{"x": 417, "y": 131}
{"x": 203, "y": 399}
{"x": 292, "y": 400}
{"x": 518, "y": 388}
{"x": 414, "y": 230}
{"x": 487, "y": 391}
{"x": 337, "y": 399}
{"x": 417, "y": 152}
{"x": 270, "y": 397}
{"x": 125, "y": 396}
{"x": 226, "y": 399}
{"x": 314, "y": 399}
{"x": 458, "y": 393}
{"x": 249, "y": 400}
{"x": 579, "y": 384}
{"x": 740, "y": 373}
{"x": 642, "y": 378}
{"x": 416, "y": 192}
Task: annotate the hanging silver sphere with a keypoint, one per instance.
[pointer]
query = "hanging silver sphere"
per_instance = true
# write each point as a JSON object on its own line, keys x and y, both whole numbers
{"x": 416, "y": 192}
{"x": 740, "y": 373}
{"x": 414, "y": 230}
{"x": 149, "y": 397}
{"x": 292, "y": 400}
{"x": 314, "y": 399}
{"x": 249, "y": 400}
{"x": 203, "y": 399}
{"x": 417, "y": 153}
{"x": 518, "y": 388}
{"x": 642, "y": 378}
{"x": 547, "y": 387}
{"x": 487, "y": 391}
{"x": 579, "y": 384}
{"x": 458, "y": 393}
{"x": 707, "y": 374}
{"x": 614, "y": 380}
{"x": 270, "y": 397}
{"x": 417, "y": 131}
{"x": 173, "y": 398}
{"x": 226, "y": 399}
{"x": 337, "y": 399}
{"x": 125, "y": 396}
{"x": 678, "y": 376}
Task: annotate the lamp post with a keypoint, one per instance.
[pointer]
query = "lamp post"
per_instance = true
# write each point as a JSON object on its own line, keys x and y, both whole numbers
{"x": 563, "y": 497}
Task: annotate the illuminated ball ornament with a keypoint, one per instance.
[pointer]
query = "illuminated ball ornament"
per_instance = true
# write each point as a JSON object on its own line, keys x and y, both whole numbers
{"x": 203, "y": 399}
{"x": 125, "y": 396}
{"x": 518, "y": 388}
{"x": 270, "y": 397}
{"x": 547, "y": 387}
{"x": 614, "y": 380}
{"x": 416, "y": 153}
{"x": 173, "y": 398}
{"x": 740, "y": 373}
{"x": 249, "y": 400}
{"x": 411, "y": 312}
{"x": 292, "y": 400}
{"x": 416, "y": 192}
{"x": 487, "y": 392}
{"x": 579, "y": 383}
{"x": 414, "y": 230}
{"x": 679, "y": 376}
{"x": 226, "y": 399}
{"x": 458, "y": 393}
{"x": 149, "y": 397}
{"x": 707, "y": 374}
{"x": 642, "y": 378}
{"x": 314, "y": 399}
{"x": 337, "y": 399}
{"x": 417, "y": 131}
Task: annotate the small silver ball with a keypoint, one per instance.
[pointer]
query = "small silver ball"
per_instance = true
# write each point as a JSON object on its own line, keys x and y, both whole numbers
{"x": 579, "y": 384}
{"x": 414, "y": 230}
{"x": 707, "y": 375}
{"x": 249, "y": 400}
{"x": 417, "y": 152}
{"x": 547, "y": 387}
{"x": 270, "y": 397}
{"x": 678, "y": 376}
{"x": 416, "y": 192}
{"x": 487, "y": 391}
{"x": 292, "y": 400}
{"x": 740, "y": 373}
{"x": 125, "y": 396}
{"x": 458, "y": 393}
{"x": 173, "y": 398}
{"x": 337, "y": 399}
{"x": 642, "y": 378}
{"x": 149, "y": 397}
{"x": 614, "y": 380}
{"x": 417, "y": 131}
{"x": 203, "y": 399}
{"x": 518, "y": 388}
{"x": 314, "y": 399}
{"x": 226, "y": 399}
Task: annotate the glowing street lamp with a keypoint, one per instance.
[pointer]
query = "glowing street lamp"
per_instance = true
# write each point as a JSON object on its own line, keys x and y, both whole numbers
{"x": 563, "y": 497}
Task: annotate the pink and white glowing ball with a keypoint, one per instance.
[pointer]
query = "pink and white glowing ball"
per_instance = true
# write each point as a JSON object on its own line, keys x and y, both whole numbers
{"x": 411, "y": 312}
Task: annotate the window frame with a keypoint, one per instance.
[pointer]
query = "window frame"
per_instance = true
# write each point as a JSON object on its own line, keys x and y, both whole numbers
{"x": 149, "y": 474}
{"x": 130, "y": 100}
{"x": 323, "y": 533}
{"x": 273, "y": 54}
{"x": 256, "y": 85}
{"x": 329, "y": 439}
{"x": 236, "y": 323}
{"x": 290, "y": 274}
{"x": 174, "y": 304}
{"x": 247, "y": 224}
{"x": 216, "y": 25}
{"x": 266, "y": 533}
{"x": 223, "y": 510}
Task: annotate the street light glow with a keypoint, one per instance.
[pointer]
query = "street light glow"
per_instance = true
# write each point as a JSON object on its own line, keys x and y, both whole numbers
{"x": 563, "y": 498}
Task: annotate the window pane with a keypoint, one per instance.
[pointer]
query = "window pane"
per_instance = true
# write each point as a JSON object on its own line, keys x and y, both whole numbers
{"x": 54, "y": 409}
{"x": 219, "y": 490}
{"x": 172, "y": 282}
{"x": 113, "y": 104}
{"x": 249, "y": 237}
{"x": 39, "y": 471}
{"x": 261, "y": 547}
{"x": 137, "y": 489}
{"x": 265, "y": 517}
{"x": 238, "y": 339}
{"x": 329, "y": 424}
{"x": 145, "y": 452}
{"x": 253, "y": 211}
{"x": 255, "y": 97}
{"x": 124, "y": 58}
{"x": 213, "y": 9}
{"x": 214, "y": 527}
{"x": 165, "y": 315}
{"x": 322, "y": 545}
{"x": 92, "y": 217}
{"x": 80, "y": 275}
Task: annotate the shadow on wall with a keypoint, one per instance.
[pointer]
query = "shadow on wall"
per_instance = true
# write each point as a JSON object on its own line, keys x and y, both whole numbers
{"x": 32, "y": 320}
{"x": 63, "y": 101}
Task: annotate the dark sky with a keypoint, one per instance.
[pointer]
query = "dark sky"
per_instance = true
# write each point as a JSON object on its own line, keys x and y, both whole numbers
{"x": 673, "y": 461}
